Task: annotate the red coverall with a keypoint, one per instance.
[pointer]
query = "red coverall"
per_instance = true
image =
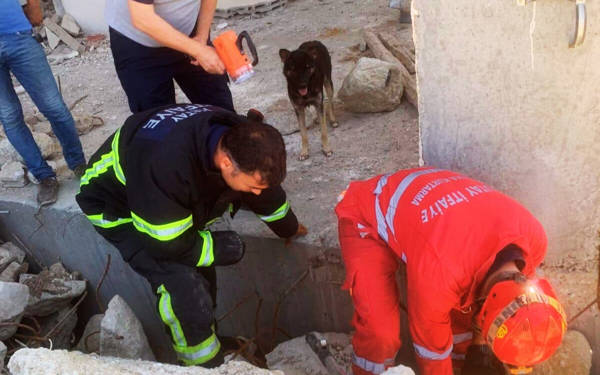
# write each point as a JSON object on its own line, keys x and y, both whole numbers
{"x": 447, "y": 228}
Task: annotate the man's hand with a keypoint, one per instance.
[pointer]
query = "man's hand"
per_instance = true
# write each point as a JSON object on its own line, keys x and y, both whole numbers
{"x": 33, "y": 11}
{"x": 302, "y": 231}
{"x": 206, "y": 57}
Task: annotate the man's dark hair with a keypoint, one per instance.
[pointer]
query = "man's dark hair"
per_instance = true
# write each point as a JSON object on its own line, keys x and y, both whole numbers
{"x": 257, "y": 147}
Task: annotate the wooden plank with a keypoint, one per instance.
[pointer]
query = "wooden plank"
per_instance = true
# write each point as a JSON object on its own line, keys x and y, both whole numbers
{"x": 64, "y": 36}
{"x": 380, "y": 52}
{"x": 393, "y": 44}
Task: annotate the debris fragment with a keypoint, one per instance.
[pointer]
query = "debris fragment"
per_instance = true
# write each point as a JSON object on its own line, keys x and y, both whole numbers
{"x": 121, "y": 333}
{"x": 11, "y": 313}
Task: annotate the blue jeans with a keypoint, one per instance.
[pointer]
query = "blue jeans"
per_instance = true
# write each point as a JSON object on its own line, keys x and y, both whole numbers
{"x": 24, "y": 57}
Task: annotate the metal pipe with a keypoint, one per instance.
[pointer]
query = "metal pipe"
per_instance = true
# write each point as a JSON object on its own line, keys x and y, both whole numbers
{"x": 580, "y": 24}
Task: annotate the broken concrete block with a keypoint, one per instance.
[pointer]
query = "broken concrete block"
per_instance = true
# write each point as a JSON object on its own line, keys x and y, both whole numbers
{"x": 121, "y": 333}
{"x": 61, "y": 336}
{"x": 13, "y": 175}
{"x": 2, "y": 355}
{"x": 13, "y": 271}
{"x": 70, "y": 25}
{"x": 18, "y": 295}
{"x": 90, "y": 340}
{"x": 372, "y": 86}
{"x": 63, "y": 35}
{"x": 295, "y": 357}
{"x": 53, "y": 39}
{"x": 399, "y": 370}
{"x": 51, "y": 362}
{"x": 13, "y": 250}
{"x": 49, "y": 293}
{"x": 573, "y": 357}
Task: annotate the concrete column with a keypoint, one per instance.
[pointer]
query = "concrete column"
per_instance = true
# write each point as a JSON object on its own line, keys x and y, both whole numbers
{"x": 504, "y": 99}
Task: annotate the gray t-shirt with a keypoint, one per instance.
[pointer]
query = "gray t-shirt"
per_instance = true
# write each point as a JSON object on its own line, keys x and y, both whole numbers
{"x": 181, "y": 14}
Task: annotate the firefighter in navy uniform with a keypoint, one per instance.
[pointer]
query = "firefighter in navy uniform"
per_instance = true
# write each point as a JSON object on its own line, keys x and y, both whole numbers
{"x": 153, "y": 187}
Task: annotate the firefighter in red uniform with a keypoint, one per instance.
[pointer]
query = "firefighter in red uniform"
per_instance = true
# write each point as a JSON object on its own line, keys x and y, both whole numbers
{"x": 470, "y": 253}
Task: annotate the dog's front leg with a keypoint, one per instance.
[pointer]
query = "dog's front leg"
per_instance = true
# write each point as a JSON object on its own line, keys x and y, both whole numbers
{"x": 300, "y": 114}
{"x": 324, "y": 138}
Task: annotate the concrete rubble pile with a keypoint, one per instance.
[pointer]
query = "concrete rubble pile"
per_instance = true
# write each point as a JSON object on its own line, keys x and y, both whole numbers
{"x": 35, "y": 309}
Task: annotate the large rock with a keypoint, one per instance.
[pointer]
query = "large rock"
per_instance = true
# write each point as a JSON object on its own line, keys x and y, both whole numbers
{"x": 70, "y": 25}
{"x": 13, "y": 175}
{"x": 295, "y": 357}
{"x": 372, "y": 86}
{"x": 50, "y": 293}
{"x": 14, "y": 297}
{"x": 90, "y": 340}
{"x": 61, "y": 336}
{"x": 574, "y": 357}
{"x": 121, "y": 333}
{"x": 46, "y": 362}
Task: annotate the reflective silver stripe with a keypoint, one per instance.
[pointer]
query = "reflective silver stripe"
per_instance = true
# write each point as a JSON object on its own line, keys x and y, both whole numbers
{"x": 428, "y": 354}
{"x": 365, "y": 364}
{"x": 201, "y": 354}
{"x": 166, "y": 312}
{"x": 207, "y": 256}
{"x": 381, "y": 227}
{"x": 462, "y": 337}
{"x": 404, "y": 257}
{"x": 460, "y": 357}
{"x": 400, "y": 189}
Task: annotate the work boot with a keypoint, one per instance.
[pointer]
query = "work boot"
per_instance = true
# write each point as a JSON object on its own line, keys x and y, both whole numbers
{"x": 48, "y": 191}
{"x": 79, "y": 170}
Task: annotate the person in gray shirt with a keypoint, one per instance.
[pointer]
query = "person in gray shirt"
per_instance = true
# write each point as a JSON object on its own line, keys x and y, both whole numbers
{"x": 157, "y": 41}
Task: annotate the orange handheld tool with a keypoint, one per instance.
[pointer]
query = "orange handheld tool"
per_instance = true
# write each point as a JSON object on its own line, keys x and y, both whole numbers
{"x": 231, "y": 52}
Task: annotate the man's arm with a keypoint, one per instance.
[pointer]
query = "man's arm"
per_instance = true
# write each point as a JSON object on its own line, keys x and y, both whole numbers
{"x": 33, "y": 11}
{"x": 145, "y": 19}
{"x": 205, "y": 18}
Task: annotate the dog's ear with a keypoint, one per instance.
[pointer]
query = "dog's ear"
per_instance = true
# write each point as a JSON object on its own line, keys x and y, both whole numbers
{"x": 255, "y": 115}
{"x": 284, "y": 54}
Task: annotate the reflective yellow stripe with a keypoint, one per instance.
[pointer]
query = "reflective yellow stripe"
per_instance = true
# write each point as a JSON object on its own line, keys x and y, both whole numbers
{"x": 198, "y": 354}
{"x": 278, "y": 214}
{"x": 162, "y": 232}
{"x": 207, "y": 257}
{"x": 99, "y": 167}
{"x": 165, "y": 309}
{"x": 99, "y": 221}
{"x": 115, "y": 152}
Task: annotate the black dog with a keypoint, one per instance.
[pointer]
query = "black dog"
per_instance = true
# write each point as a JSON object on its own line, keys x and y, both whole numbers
{"x": 308, "y": 70}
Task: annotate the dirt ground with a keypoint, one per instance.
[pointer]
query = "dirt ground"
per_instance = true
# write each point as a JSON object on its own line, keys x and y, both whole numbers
{"x": 364, "y": 145}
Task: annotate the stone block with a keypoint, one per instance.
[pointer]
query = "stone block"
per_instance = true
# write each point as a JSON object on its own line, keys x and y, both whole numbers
{"x": 13, "y": 175}
{"x": 12, "y": 311}
{"x": 49, "y": 294}
{"x": 70, "y": 25}
{"x": 90, "y": 340}
{"x": 121, "y": 333}
{"x": 372, "y": 86}
{"x": 51, "y": 362}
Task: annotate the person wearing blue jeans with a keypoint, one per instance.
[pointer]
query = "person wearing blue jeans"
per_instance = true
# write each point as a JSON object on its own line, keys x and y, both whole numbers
{"x": 21, "y": 54}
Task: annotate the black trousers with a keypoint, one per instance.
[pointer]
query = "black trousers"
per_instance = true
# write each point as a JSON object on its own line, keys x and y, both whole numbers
{"x": 186, "y": 296}
{"x": 147, "y": 74}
